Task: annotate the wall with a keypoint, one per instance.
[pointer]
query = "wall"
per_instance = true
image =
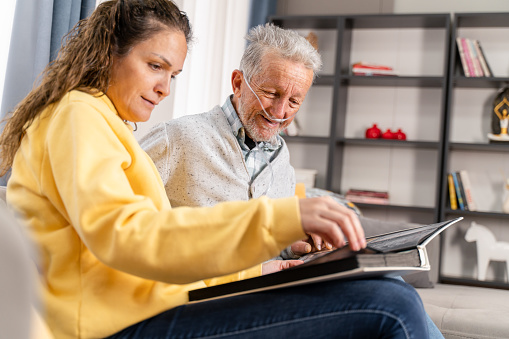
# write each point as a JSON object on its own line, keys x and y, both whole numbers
{"x": 330, "y": 7}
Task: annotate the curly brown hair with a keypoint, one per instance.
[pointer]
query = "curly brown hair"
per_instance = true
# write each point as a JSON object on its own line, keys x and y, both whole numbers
{"x": 85, "y": 59}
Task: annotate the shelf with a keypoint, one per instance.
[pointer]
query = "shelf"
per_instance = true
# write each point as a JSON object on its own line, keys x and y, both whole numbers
{"x": 324, "y": 80}
{"x": 403, "y": 81}
{"x": 499, "y": 215}
{"x": 305, "y": 22}
{"x": 387, "y": 142}
{"x": 482, "y": 20}
{"x": 493, "y": 147}
{"x": 397, "y": 21}
{"x": 305, "y": 139}
{"x": 473, "y": 282}
{"x": 396, "y": 207}
{"x": 480, "y": 82}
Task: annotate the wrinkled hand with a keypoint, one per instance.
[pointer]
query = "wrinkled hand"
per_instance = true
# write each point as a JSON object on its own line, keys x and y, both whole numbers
{"x": 312, "y": 244}
{"x": 326, "y": 220}
{"x": 278, "y": 265}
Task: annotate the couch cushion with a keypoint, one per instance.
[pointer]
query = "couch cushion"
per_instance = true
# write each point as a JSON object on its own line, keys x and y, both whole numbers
{"x": 468, "y": 312}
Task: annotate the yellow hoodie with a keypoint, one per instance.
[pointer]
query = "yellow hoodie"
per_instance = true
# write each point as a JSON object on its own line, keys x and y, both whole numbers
{"x": 112, "y": 251}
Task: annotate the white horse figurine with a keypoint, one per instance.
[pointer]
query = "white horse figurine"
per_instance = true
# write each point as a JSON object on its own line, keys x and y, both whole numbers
{"x": 488, "y": 248}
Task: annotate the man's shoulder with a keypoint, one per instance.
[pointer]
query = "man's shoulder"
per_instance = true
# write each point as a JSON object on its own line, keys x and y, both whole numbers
{"x": 193, "y": 121}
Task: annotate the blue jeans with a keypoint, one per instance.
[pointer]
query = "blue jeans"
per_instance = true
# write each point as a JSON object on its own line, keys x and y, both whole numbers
{"x": 372, "y": 308}
{"x": 433, "y": 331}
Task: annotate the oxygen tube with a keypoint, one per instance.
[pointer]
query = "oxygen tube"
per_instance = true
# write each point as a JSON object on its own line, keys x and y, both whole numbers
{"x": 258, "y": 149}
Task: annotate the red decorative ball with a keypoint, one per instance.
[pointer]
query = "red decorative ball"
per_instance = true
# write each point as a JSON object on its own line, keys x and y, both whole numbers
{"x": 373, "y": 132}
{"x": 400, "y": 135}
{"x": 388, "y": 134}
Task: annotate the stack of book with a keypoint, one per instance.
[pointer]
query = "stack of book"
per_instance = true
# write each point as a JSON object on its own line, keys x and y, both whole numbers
{"x": 472, "y": 58}
{"x": 460, "y": 191}
{"x": 368, "y": 69}
{"x": 368, "y": 197}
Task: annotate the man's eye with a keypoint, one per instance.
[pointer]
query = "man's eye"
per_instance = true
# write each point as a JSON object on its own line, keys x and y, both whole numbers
{"x": 294, "y": 103}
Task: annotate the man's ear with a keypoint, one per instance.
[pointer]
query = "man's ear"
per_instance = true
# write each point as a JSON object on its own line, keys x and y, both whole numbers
{"x": 237, "y": 77}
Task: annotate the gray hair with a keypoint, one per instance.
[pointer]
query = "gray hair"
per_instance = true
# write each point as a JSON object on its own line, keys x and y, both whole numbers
{"x": 288, "y": 44}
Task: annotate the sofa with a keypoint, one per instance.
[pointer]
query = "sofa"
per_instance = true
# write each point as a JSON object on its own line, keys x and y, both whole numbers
{"x": 464, "y": 311}
{"x": 458, "y": 311}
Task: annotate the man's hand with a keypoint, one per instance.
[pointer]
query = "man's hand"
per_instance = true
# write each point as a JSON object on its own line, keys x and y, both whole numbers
{"x": 278, "y": 265}
{"x": 328, "y": 221}
{"x": 312, "y": 244}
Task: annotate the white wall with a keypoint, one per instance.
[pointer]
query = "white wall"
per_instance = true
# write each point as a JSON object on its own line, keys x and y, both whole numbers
{"x": 333, "y": 7}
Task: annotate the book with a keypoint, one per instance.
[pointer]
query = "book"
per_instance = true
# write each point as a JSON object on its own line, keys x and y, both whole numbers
{"x": 458, "y": 191}
{"x": 368, "y": 193}
{"x": 367, "y": 200}
{"x": 482, "y": 58}
{"x": 462, "y": 190}
{"x": 369, "y": 69}
{"x": 467, "y": 188}
{"x": 367, "y": 196}
{"x": 463, "y": 58}
{"x": 452, "y": 192}
{"x": 468, "y": 57}
{"x": 475, "y": 59}
{"x": 390, "y": 254}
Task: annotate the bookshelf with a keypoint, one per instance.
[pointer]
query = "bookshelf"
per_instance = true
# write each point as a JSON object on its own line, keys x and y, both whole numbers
{"x": 467, "y": 147}
{"x": 417, "y": 47}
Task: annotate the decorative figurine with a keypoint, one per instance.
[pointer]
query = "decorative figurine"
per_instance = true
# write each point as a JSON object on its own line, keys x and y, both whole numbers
{"x": 313, "y": 39}
{"x": 388, "y": 134}
{"x": 373, "y": 132}
{"x": 500, "y": 117}
{"x": 399, "y": 135}
{"x": 488, "y": 248}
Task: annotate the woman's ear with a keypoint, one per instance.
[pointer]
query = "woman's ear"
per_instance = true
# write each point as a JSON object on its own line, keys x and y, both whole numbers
{"x": 237, "y": 77}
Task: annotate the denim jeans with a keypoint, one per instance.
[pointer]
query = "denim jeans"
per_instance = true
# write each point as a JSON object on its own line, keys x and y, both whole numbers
{"x": 433, "y": 331}
{"x": 371, "y": 308}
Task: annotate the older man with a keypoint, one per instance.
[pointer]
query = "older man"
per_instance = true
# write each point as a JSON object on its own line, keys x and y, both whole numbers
{"x": 234, "y": 152}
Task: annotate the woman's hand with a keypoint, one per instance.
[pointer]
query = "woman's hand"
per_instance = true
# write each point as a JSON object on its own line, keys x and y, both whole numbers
{"x": 326, "y": 220}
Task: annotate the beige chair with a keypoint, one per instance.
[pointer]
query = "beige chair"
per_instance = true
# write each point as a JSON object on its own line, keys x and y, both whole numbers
{"x": 18, "y": 316}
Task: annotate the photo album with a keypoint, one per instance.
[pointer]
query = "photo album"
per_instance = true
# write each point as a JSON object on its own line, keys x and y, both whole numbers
{"x": 389, "y": 254}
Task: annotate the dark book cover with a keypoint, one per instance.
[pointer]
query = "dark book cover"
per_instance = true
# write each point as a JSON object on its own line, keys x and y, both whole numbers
{"x": 390, "y": 254}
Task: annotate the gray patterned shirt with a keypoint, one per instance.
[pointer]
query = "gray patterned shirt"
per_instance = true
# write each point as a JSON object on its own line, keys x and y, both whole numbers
{"x": 255, "y": 160}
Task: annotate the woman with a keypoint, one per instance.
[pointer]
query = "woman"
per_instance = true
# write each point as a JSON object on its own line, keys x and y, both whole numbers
{"x": 115, "y": 259}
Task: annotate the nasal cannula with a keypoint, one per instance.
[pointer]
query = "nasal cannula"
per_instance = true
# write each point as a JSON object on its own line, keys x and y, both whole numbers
{"x": 268, "y": 117}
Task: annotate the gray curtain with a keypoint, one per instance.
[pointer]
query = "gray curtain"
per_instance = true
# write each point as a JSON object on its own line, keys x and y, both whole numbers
{"x": 37, "y": 31}
{"x": 260, "y": 11}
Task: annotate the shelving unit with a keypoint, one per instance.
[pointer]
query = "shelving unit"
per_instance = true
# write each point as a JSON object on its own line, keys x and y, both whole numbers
{"x": 467, "y": 147}
{"x": 417, "y": 46}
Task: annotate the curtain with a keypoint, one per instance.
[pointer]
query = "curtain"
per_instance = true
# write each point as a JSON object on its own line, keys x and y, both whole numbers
{"x": 37, "y": 31}
{"x": 260, "y": 11}
{"x": 219, "y": 27}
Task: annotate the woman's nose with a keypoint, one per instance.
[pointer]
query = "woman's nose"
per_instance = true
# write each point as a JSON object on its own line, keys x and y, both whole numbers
{"x": 163, "y": 87}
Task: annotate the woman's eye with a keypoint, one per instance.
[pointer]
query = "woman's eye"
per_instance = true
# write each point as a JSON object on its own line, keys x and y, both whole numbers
{"x": 155, "y": 67}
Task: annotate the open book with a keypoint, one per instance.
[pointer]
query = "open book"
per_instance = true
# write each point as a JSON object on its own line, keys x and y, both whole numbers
{"x": 390, "y": 254}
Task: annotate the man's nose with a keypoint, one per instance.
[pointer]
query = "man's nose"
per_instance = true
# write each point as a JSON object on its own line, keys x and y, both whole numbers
{"x": 278, "y": 109}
